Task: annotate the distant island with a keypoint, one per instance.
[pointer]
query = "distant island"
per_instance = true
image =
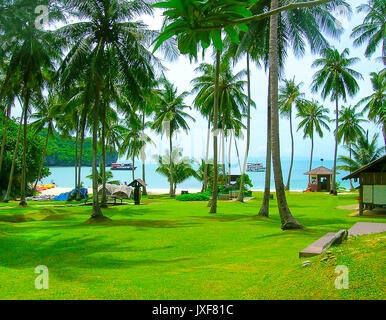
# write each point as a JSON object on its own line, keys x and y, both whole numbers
{"x": 61, "y": 152}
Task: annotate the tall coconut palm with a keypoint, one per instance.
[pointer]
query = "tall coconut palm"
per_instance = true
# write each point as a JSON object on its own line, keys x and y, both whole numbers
{"x": 314, "y": 119}
{"x": 363, "y": 152}
{"x": 47, "y": 112}
{"x": 296, "y": 27}
{"x": 233, "y": 102}
{"x": 350, "y": 128}
{"x": 290, "y": 96}
{"x": 170, "y": 115}
{"x": 32, "y": 53}
{"x": 108, "y": 34}
{"x": 373, "y": 28}
{"x": 287, "y": 220}
{"x": 375, "y": 103}
{"x": 336, "y": 80}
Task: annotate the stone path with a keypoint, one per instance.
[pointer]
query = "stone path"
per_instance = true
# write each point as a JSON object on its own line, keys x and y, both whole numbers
{"x": 362, "y": 228}
{"x": 318, "y": 246}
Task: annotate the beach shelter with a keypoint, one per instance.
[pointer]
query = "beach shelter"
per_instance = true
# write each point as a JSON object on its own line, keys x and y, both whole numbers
{"x": 320, "y": 179}
{"x": 137, "y": 184}
{"x": 109, "y": 189}
{"x": 372, "y": 180}
{"x": 123, "y": 191}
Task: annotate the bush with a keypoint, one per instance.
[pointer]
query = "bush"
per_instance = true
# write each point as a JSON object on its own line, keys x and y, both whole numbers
{"x": 193, "y": 197}
{"x": 35, "y": 147}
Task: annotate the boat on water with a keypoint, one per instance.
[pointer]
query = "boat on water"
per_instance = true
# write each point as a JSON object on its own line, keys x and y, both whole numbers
{"x": 122, "y": 166}
{"x": 255, "y": 167}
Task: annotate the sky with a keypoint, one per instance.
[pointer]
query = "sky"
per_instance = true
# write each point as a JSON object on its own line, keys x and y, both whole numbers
{"x": 181, "y": 72}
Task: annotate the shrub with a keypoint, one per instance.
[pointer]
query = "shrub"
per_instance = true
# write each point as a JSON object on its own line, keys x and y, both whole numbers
{"x": 193, "y": 197}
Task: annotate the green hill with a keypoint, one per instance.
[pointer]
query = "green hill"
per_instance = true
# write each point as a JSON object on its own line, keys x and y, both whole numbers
{"x": 61, "y": 152}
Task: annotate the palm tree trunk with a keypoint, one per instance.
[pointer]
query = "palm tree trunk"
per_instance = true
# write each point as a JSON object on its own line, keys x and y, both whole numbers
{"x": 264, "y": 210}
{"x": 333, "y": 189}
{"x": 311, "y": 157}
{"x": 205, "y": 181}
{"x": 144, "y": 191}
{"x": 292, "y": 153}
{"x": 133, "y": 171}
{"x": 4, "y": 139}
{"x": 42, "y": 160}
{"x": 171, "y": 191}
{"x": 23, "y": 185}
{"x": 223, "y": 152}
{"x": 287, "y": 220}
{"x": 76, "y": 158}
{"x": 82, "y": 129}
{"x": 242, "y": 180}
{"x": 213, "y": 207}
{"x": 103, "y": 138}
{"x": 351, "y": 185}
{"x": 9, "y": 188}
{"x": 238, "y": 154}
{"x": 229, "y": 157}
{"x": 96, "y": 210}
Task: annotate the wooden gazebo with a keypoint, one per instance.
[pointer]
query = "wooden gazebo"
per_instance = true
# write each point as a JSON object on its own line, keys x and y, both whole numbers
{"x": 372, "y": 180}
{"x": 320, "y": 179}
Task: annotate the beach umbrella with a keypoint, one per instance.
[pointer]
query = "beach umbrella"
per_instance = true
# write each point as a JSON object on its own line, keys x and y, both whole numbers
{"x": 123, "y": 191}
{"x": 109, "y": 189}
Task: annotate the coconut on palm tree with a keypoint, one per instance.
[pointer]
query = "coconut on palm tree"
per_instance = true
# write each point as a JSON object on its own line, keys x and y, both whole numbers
{"x": 350, "y": 128}
{"x": 337, "y": 80}
{"x": 290, "y": 96}
{"x": 314, "y": 118}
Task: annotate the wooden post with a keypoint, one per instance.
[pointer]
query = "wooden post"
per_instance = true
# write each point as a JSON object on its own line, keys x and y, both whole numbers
{"x": 361, "y": 200}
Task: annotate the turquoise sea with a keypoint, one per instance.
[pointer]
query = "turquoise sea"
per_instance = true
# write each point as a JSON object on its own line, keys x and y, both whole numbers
{"x": 65, "y": 176}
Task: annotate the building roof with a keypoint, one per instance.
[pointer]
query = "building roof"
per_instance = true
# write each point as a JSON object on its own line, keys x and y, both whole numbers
{"x": 378, "y": 165}
{"x": 321, "y": 171}
{"x": 137, "y": 181}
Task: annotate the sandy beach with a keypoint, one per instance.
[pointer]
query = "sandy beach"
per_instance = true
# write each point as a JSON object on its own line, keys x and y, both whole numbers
{"x": 57, "y": 191}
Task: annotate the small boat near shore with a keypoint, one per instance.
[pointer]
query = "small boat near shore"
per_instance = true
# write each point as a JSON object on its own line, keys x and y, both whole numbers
{"x": 255, "y": 167}
{"x": 122, "y": 166}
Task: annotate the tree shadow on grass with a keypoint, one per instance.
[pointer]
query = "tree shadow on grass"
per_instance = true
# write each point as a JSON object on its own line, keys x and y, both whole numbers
{"x": 226, "y": 217}
{"x": 63, "y": 256}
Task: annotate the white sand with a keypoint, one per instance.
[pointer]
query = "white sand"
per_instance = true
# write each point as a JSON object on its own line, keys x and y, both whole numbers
{"x": 57, "y": 191}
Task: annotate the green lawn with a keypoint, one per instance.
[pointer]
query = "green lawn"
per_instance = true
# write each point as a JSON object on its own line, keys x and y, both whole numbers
{"x": 168, "y": 249}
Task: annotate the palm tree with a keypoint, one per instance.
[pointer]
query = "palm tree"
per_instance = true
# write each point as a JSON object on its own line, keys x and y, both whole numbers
{"x": 233, "y": 102}
{"x": 289, "y": 96}
{"x": 375, "y": 103}
{"x": 170, "y": 115}
{"x": 33, "y": 52}
{"x": 350, "y": 127}
{"x": 363, "y": 152}
{"x": 182, "y": 168}
{"x": 373, "y": 28}
{"x": 314, "y": 118}
{"x": 104, "y": 178}
{"x": 47, "y": 111}
{"x": 107, "y": 39}
{"x": 337, "y": 80}
{"x": 133, "y": 140}
{"x": 295, "y": 28}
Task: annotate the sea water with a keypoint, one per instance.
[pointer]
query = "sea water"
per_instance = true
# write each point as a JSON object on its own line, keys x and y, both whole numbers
{"x": 65, "y": 176}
